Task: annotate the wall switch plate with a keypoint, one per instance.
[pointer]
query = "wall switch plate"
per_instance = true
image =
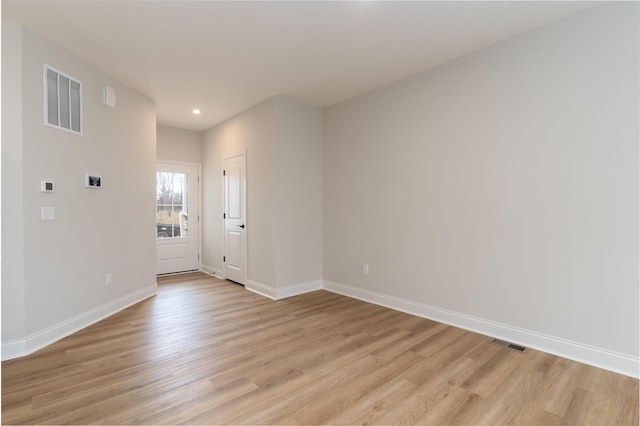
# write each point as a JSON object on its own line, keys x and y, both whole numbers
{"x": 48, "y": 213}
{"x": 108, "y": 280}
{"x": 365, "y": 269}
{"x": 46, "y": 186}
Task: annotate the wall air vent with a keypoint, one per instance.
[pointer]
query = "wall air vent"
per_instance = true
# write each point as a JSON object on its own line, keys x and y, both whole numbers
{"x": 509, "y": 345}
{"x": 62, "y": 101}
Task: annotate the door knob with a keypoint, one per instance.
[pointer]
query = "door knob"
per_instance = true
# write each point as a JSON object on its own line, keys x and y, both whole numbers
{"x": 241, "y": 226}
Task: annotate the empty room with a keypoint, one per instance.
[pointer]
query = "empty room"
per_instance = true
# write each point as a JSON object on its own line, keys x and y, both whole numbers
{"x": 320, "y": 212}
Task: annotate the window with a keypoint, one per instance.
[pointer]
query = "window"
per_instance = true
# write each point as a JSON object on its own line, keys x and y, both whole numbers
{"x": 62, "y": 101}
{"x": 172, "y": 193}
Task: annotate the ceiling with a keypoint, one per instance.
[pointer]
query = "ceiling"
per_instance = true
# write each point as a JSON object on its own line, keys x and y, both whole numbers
{"x": 224, "y": 57}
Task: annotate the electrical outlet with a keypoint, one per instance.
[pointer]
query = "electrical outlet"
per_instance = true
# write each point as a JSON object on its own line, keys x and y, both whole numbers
{"x": 365, "y": 269}
{"x": 108, "y": 279}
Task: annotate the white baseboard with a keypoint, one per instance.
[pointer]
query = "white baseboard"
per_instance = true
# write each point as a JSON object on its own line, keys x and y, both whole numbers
{"x": 14, "y": 349}
{"x": 597, "y": 357}
{"x": 261, "y": 289}
{"x": 212, "y": 271}
{"x": 36, "y": 341}
{"x": 283, "y": 292}
{"x": 296, "y": 289}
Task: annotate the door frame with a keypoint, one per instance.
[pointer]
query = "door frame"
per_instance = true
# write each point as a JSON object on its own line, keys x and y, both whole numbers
{"x": 199, "y": 199}
{"x": 244, "y": 213}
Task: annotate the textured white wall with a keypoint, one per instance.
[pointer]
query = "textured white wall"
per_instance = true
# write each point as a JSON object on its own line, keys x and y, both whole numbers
{"x": 178, "y": 144}
{"x": 503, "y": 185}
{"x": 94, "y": 231}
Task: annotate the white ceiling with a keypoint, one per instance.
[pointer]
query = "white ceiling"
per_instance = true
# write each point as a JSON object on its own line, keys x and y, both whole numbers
{"x": 224, "y": 57}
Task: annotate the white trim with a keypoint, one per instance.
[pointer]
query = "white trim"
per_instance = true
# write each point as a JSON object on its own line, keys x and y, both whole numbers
{"x": 27, "y": 346}
{"x": 179, "y": 163}
{"x": 261, "y": 289}
{"x": 297, "y": 289}
{"x": 14, "y": 349}
{"x": 278, "y": 293}
{"x": 597, "y": 357}
{"x": 207, "y": 269}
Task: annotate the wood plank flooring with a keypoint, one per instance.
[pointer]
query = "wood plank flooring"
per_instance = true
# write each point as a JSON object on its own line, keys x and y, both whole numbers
{"x": 206, "y": 351}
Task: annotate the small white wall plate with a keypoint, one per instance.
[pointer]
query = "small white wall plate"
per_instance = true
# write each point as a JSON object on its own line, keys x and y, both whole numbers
{"x": 109, "y": 96}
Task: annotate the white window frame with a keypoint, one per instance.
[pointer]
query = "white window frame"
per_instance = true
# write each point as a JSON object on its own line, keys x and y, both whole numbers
{"x": 46, "y": 103}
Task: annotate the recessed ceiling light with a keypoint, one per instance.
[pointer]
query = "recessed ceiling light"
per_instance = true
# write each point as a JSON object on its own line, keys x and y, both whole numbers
{"x": 196, "y": 111}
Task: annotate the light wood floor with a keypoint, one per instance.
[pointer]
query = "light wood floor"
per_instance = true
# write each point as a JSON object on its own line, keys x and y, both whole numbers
{"x": 205, "y": 351}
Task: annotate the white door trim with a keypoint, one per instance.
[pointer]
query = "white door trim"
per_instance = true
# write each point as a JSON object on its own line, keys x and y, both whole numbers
{"x": 244, "y": 213}
{"x": 199, "y": 196}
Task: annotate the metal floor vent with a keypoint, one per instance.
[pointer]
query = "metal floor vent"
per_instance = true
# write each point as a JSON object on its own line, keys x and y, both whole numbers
{"x": 509, "y": 345}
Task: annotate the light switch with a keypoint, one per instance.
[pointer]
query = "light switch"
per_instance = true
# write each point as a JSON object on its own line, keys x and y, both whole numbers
{"x": 48, "y": 213}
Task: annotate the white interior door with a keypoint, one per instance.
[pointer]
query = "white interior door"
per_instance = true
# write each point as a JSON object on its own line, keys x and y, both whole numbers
{"x": 235, "y": 231}
{"x": 177, "y": 218}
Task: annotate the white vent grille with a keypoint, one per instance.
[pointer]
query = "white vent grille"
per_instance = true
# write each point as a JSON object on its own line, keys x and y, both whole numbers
{"x": 62, "y": 101}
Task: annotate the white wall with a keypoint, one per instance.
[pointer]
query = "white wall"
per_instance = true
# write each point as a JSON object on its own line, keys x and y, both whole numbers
{"x": 299, "y": 194}
{"x": 283, "y": 141}
{"x": 500, "y": 191}
{"x": 13, "y": 314}
{"x": 94, "y": 231}
{"x": 254, "y": 131}
{"x": 178, "y": 144}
